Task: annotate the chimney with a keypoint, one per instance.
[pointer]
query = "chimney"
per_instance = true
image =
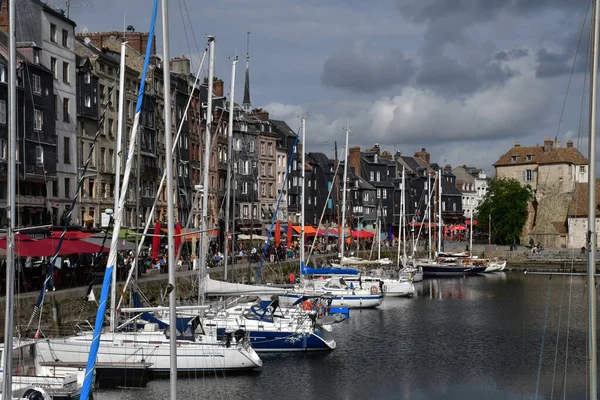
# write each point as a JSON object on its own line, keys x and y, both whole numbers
{"x": 180, "y": 65}
{"x": 136, "y": 40}
{"x": 354, "y": 159}
{"x": 386, "y": 155}
{"x": 569, "y": 144}
{"x": 547, "y": 145}
{"x": 448, "y": 168}
{"x": 423, "y": 155}
{"x": 218, "y": 87}
{"x": 260, "y": 114}
{"x": 517, "y": 144}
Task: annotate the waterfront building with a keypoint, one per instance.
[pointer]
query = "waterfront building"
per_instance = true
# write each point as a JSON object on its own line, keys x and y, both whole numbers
{"x": 553, "y": 173}
{"x": 472, "y": 183}
{"x": 36, "y": 137}
{"x": 52, "y": 34}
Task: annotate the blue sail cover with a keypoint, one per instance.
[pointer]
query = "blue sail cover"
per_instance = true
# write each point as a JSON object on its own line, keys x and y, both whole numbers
{"x": 328, "y": 271}
{"x": 91, "y": 364}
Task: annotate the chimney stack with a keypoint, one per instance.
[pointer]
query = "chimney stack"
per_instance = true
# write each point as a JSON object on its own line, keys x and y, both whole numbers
{"x": 354, "y": 159}
{"x": 569, "y": 144}
{"x": 423, "y": 155}
{"x": 517, "y": 144}
{"x": 180, "y": 65}
{"x": 547, "y": 145}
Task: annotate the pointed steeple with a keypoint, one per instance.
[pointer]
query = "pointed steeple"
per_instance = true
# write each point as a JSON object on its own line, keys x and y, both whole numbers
{"x": 246, "y": 105}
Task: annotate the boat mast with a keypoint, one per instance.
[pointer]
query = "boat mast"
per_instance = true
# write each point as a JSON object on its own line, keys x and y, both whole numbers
{"x": 440, "y": 228}
{"x": 344, "y": 194}
{"x": 429, "y": 213}
{"x": 113, "y": 290}
{"x": 10, "y": 203}
{"x": 170, "y": 214}
{"x": 302, "y": 210}
{"x": 591, "y": 247}
{"x": 207, "y": 129}
{"x": 229, "y": 151}
{"x": 403, "y": 221}
{"x": 471, "y": 234}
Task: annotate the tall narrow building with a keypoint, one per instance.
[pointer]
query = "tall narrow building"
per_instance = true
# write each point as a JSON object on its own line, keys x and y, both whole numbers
{"x": 246, "y": 105}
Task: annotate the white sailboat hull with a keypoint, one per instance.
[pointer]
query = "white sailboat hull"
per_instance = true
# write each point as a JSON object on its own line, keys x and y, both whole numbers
{"x": 153, "y": 349}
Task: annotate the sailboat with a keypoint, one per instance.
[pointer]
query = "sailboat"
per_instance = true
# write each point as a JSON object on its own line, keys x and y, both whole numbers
{"x": 407, "y": 271}
{"x": 342, "y": 294}
{"x": 181, "y": 347}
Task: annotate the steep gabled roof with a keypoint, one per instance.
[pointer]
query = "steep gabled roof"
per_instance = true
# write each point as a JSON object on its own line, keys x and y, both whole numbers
{"x": 537, "y": 155}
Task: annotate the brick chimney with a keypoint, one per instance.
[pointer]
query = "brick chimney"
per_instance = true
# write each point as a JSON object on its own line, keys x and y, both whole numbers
{"x": 547, "y": 145}
{"x": 517, "y": 144}
{"x": 354, "y": 159}
{"x": 386, "y": 155}
{"x": 217, "y": 86}
{"x": 180, "y": 65}
{"x": 423, "y": 155}
{"x": 260, "y": 114}
{"x": 136, "y": 40}
{"x": 448, "y": 168}
{"x": 569, "y": 144}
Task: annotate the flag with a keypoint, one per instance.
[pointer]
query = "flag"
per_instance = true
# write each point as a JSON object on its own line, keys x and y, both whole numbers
{"x": 91, "y": 296}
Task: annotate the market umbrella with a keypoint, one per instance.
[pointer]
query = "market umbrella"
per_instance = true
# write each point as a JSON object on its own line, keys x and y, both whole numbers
{"x": 277, "y": 233}
{"x": 362, "y": 234}
{"x": 177, "y": 237}
{"x": 156, "y": 240}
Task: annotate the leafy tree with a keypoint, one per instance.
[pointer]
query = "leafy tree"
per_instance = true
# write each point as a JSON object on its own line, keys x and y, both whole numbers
{"x": 506, "y": 202}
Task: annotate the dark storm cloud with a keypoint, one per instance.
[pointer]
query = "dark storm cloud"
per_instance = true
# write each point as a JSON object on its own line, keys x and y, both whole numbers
{"x": 449, "y": 75}
{"x": 355, "y": 70}
{"x": 510, "y": 55}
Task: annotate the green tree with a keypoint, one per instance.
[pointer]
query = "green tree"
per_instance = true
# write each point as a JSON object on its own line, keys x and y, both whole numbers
{"x": 505, "y": 203}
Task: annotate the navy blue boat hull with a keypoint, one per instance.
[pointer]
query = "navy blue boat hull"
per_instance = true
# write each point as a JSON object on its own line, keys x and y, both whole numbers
{"x": 272, "y": 342}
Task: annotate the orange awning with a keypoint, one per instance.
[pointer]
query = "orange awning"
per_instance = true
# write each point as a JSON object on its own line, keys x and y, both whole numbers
{"x": 308, "y": 230}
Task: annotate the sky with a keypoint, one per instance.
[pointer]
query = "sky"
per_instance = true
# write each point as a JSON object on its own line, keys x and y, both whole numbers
{"x": 464, "y": 79}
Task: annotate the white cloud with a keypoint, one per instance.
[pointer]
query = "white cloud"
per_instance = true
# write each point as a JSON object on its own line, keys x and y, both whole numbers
{"x": 419, "y": 118}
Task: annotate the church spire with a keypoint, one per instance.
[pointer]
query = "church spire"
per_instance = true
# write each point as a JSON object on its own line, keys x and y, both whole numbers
{"x": 246, "y": 106}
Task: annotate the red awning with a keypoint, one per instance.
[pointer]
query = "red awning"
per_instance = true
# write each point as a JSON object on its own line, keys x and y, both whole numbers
{"x": 362, "y": 234}
{"x": 47, "y": 247}
{"x": 72, "y": 234}
{"x": 468, "y": 222}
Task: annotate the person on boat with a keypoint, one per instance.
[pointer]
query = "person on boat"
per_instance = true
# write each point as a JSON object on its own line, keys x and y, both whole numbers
{"x": 381, "y": 285}
{"x": 360, "y": 281}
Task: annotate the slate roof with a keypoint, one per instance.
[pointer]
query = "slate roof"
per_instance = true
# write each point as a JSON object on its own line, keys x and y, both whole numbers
{"x": 283, "y": 128}
{"x": 579, "y": 202}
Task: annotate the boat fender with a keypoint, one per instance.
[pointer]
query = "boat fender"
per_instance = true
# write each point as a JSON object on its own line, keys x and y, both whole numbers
{"x": 374, "y": 289}
{"x": 306, "y": 305}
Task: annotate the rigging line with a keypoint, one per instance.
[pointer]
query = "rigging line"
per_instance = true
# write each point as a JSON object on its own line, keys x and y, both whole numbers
{"x": 191, "y": 27}
{"x": 557, "y": 336}
{"x": 312, "y": 247}
{"x": 185, "y": 32}
{"x": 162, "y": 182}
{"x": 539, "y": 372}
{"x": 50, "y": 271}
{"x": 573, "y": 67}
{"x": 283, "y": 186}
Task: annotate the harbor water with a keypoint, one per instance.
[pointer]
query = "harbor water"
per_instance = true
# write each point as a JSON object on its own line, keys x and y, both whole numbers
{"x": 477, "y": 337}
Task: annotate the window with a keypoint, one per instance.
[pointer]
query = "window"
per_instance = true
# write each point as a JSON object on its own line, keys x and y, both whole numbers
{"x": 528, "y": 157}
{"x": 378, "y": 176}
{"x": 378, "y": 193}
{"x": 3, "y": 149}
{"x": 3, "y": 112}
{"x": 65, "y": 71}
{"x": 513, "y": 159}
{"x": 36, "y": 56}
{"x": 3, "y": 77}
{"x": 88, "y": 101}
{"x": 245, "y": 211}
{"x": 251, "y": 147}
{"x": 582, "y": 169}
{"x": 384, "y": 193}
{"x": 262, "y": 148}
{"x": 39, "y": 155}
{"x": 67, "y": 150}
{"x": 37, "y": 119}
{"x": 365, "y": 196}
{"x": 65, "y": 38}
{"x": 87, "y": 78}
{"x": 371, "y": 176}
{"x": 55, "y": 189}
{"x": 67, "y": 188}
{"x": 54, "y": 67}
{"x": 110, "y": 126}
{"x": 36, "y": 84}
{"x": 244, "y": 187}
{"x": 528, "y": 175}
{"x": 66, "y": 110}
{"x": 53, "y": 37}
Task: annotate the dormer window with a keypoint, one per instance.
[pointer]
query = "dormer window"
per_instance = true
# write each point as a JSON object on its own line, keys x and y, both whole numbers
{"x": 513, "y": 159}
{"x": 529, "y": 157}
{"x": 375, "y": 158}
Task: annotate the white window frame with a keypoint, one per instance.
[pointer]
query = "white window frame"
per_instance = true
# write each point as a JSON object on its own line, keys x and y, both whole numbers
{"x": 36, "y": 85}
{"x": 37, "y": 119}
{"x": 3, "y": 118}
{"x": 39, "y": 155}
